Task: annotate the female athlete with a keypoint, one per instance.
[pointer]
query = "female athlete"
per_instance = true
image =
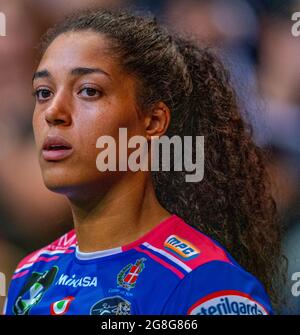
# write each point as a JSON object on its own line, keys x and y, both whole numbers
{"x": 146, "y": 242}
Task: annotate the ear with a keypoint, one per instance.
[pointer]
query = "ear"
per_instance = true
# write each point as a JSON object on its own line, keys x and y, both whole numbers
{"x": 157, "y": 120}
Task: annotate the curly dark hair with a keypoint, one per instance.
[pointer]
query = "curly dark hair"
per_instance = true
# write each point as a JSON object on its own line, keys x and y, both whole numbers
{"x": 233, "y": 203}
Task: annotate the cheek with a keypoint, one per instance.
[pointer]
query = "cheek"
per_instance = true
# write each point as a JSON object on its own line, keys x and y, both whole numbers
{"x": 103, "y": 122}
{"x": 87, "y": 128}
{"x": 90, "y": 130}
{"x": 37, "y": 126}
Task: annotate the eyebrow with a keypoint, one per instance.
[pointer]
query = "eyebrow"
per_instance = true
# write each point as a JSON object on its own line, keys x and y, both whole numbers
{"x": 41, "y": 74}
{"x": 78, "y": 71}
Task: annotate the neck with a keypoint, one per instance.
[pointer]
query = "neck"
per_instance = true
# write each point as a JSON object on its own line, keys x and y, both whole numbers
{"x": 126, "y": 212}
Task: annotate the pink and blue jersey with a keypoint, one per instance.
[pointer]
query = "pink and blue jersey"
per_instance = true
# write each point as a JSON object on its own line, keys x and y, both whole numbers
{"x": 173, "y": 269}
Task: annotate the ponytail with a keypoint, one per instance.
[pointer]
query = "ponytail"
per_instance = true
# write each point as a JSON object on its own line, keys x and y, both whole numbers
{"x": 233, "y": 203}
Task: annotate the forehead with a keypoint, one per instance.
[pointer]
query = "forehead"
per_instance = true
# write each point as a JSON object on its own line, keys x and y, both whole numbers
{"x": 80, "y": 49}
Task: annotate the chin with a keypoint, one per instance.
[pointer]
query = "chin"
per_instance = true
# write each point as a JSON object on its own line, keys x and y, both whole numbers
{"x": 72, "y": 185}
{"x": 58, "y": 180}
{"x": 61, "y": 187}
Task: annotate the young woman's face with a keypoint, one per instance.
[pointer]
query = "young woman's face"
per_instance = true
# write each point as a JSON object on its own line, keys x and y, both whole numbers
{"x": 81, "y": 94}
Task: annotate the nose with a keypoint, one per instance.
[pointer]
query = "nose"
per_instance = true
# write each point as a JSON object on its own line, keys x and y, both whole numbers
{"x": 59, "y": 111}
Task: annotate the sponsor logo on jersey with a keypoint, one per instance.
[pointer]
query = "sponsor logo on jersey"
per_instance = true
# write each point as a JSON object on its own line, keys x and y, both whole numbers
{"x": 128, "y": 276}
{"x": 61, "y": 307}
{"x": 227, "y": 303}
{"x": 111, "y": 306}
{"x": 74, "y": 281}
{"x": 181, "y": 248}
{"x": 34, "y": 290}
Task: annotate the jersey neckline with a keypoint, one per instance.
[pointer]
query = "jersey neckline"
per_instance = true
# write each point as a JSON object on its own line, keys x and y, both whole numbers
{"x": 147, "y": 237}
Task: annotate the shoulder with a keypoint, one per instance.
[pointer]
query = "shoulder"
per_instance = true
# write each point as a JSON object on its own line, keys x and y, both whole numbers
{"x": 37, "y": 262}
{"x": 191, "y": 247}
{"x": 179, "y": 248}
{"x": 215, "y": 283}
{"x": 53, "y": 251}
{"x": 218, "y": 288}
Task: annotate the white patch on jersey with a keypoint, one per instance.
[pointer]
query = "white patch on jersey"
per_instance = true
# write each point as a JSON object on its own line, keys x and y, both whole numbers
{"x": 227, "y": 303}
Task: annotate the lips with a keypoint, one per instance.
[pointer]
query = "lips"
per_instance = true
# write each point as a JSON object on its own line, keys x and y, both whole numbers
{"x": 56, "y": 148}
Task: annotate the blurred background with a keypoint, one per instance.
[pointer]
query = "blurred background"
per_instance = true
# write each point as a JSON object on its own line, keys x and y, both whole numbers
{"x": 253, "y": 38}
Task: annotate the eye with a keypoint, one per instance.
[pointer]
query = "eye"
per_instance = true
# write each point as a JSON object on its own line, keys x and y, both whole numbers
{"x": 42, "y": 94}
{"x": 90, "y": 92}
